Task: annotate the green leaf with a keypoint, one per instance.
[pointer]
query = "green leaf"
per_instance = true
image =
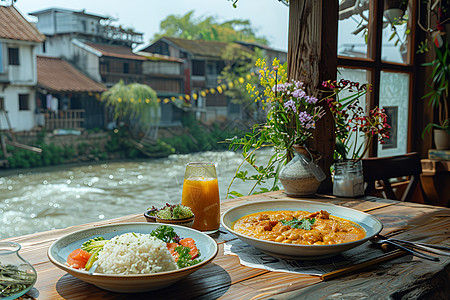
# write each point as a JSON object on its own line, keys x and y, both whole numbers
{"x": 305, "y": 224}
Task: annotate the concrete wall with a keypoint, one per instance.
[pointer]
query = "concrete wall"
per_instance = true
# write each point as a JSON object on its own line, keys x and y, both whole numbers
{"x": 23, "y": 74}
{"x": 21, "y": 120}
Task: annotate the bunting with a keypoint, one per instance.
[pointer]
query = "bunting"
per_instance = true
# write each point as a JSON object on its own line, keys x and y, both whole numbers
{"x": 220, "y": 89}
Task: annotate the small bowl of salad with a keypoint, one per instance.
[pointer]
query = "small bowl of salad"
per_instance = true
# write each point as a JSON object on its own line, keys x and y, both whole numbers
{"x": 175, "y": 214}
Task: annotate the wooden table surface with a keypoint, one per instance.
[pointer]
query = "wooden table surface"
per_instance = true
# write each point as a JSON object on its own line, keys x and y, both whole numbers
{"x": 225, "y": 278}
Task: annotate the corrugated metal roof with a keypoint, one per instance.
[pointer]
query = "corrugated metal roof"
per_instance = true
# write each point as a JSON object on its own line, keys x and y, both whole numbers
{"x": 115, "y": 51}
{"x": 58, "y": 75}
{"x": 15, "y": 27}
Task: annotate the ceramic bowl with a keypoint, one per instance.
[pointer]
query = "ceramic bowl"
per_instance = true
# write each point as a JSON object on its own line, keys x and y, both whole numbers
{"x": 188, "y": 222}
{"x": 369, "y": 223}
{"x": 135, "y": 283}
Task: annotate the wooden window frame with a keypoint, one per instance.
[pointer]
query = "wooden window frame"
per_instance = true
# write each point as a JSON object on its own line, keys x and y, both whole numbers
{"x": 374, "y": 65}
{"x": 13, "y": 56}
{"x": 24, "y": 105}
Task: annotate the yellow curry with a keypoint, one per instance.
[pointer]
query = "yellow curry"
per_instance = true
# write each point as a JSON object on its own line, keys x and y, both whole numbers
{"x": 299, "y": 227}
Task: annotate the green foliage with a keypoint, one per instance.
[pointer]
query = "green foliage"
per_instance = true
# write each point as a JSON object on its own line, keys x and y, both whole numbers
{"x": 438, "y": 97}
{"x": 188, "y": 27}
{"x": 51, "y": 155}
{"x": 132, "y": 102}
{"x": 290, "y": 120}
{"x": 239, "y": 64}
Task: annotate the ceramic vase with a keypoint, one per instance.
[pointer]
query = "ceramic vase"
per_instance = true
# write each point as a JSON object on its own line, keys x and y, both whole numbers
{"x": 296, "y": 178}
{"x": 348, "y": 179}
{"x": 441, "y": 139}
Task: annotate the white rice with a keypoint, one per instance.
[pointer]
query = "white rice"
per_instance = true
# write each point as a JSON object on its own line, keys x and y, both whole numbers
{"x": 135, "y": 253}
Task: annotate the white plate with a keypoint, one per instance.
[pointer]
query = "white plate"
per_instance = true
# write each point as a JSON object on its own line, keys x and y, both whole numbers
{"x": 369, "y": 223}
{"x": 61, "y": 248}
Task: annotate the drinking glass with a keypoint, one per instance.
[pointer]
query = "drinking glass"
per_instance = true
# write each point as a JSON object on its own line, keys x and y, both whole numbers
{"x": 201, "y": 194}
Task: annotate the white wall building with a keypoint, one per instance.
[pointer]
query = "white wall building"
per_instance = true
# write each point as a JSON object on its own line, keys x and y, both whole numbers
{"x": 18, "y": 72}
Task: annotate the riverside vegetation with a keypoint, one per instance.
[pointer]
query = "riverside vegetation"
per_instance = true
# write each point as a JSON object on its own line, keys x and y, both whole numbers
{"x": 192, "y": 137}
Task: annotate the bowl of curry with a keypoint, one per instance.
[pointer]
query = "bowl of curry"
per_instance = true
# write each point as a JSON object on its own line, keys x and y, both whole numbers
{"x": 299, "y": 229}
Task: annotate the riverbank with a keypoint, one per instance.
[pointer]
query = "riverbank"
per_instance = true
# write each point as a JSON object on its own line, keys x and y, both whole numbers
{"x": 77, "y": 147}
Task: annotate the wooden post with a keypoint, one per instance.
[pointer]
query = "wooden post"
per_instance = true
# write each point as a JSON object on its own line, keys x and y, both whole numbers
{"x": 312, "y": 58}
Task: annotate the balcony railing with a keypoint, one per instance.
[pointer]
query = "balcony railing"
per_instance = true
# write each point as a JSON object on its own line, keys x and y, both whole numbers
{"x": 64, "y": 119}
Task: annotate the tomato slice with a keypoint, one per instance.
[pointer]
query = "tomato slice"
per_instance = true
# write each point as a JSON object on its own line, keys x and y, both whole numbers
{"x": 189, "y": 242}
{"x": 78, "y": 258}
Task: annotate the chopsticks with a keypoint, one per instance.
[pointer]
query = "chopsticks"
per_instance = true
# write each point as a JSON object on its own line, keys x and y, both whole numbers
{"x": 362, "y": 265}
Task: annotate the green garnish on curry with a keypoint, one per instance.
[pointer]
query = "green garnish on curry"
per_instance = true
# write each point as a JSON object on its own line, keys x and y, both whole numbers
{"x": 305, "y": 224}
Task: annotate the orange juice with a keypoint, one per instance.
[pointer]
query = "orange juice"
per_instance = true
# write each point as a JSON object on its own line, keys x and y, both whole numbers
{"x": 201, "y": 194}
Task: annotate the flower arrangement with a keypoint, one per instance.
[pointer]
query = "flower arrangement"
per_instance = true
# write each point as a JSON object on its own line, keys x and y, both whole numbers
{"x": 291, "y": 119}
{"x": 355, "y": 129}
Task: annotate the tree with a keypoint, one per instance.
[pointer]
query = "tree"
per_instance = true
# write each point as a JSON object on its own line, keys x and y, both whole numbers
{"x": 208, "y": 29}
{"x": 238, "y": 65}
{"x": 132, "y": 102}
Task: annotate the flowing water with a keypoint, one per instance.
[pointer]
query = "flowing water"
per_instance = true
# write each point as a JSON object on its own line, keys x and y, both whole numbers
{"x": 38, "y": 201}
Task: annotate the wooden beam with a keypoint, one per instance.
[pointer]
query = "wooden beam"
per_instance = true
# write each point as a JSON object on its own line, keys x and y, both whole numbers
{"x": 312, "y": 58}
{"x": 25, "y": 147}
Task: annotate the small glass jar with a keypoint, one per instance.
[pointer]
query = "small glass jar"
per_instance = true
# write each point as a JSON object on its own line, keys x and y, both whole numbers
{"x": 17, "y": 275}
{"x": 201, "y": 194}
{"x": 348, "y": 180}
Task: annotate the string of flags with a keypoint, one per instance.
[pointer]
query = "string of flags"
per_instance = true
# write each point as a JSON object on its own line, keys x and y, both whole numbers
{"x": 220, "y": 88}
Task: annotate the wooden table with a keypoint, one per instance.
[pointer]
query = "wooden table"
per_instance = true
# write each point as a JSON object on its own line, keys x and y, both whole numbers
{"x": 225, "y": 278}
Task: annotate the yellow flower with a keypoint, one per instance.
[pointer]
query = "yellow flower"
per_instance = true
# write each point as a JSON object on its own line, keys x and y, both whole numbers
{"x": 147, "y": 101}
{"x": 119, "y": 100}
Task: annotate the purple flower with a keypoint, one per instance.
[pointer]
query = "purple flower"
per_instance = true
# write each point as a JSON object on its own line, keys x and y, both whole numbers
{"x": 298, "y": 93}
{"x": 290, "y": 104}
{"x": 306, "y": 119}
{"x": 280, "y": 87}
{"x": 298, "y": 84}
{"x": 311, "y": 100}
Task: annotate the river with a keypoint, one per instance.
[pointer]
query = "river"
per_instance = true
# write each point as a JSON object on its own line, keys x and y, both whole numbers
{"x": 69, "y": 195}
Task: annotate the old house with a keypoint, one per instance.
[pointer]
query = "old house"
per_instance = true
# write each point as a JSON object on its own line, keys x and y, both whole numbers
{"x": 76, "y": 94}
{"x": 18, "y": 75}
{"x": 105, "y": 54}
{"x": 204, "y": 63}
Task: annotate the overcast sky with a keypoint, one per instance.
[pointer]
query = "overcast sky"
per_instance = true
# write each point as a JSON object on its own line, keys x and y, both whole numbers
{"x": 268, "y": 17}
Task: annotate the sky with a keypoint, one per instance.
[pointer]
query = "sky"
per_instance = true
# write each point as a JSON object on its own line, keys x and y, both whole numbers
{"x": 269, "y": 18}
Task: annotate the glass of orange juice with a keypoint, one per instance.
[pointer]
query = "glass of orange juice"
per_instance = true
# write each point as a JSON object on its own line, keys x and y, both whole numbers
{"x": 201, "y": 194}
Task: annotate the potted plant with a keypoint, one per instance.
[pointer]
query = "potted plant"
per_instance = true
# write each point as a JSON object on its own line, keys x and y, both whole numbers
{"x": 394, "y": 10}
{"x": 355, "y": 131}
{"x": 290, "y": 121}
{"x": 438, "y": 97}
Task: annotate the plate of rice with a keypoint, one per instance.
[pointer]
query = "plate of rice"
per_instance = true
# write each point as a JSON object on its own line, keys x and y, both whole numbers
{"x": 132, "y": 261}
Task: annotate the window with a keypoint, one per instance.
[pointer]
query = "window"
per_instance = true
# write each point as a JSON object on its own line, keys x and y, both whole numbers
{"x": 13, "y": 55}
{"x": 198, "y": 67}
{"x": 44, "y": 47}
{"x": 104, "y": 67}
{"x": 24, "y": 102}
{"x": 126, "y": 68}
{"x": 376, "y": 47}
{"x": 2, "y": 103}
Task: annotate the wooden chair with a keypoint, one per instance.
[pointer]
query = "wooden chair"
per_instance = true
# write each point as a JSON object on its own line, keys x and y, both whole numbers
{"x": 384, "y": 168}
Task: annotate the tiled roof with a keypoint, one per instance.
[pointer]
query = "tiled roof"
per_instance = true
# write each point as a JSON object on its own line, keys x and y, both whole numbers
{"x": 115, "y": 51}
{"x": 203, "y": 48}
{"x": 160, "y": 57}
{"x": 58, "y": 75}
{"x": 15, "y": 27}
